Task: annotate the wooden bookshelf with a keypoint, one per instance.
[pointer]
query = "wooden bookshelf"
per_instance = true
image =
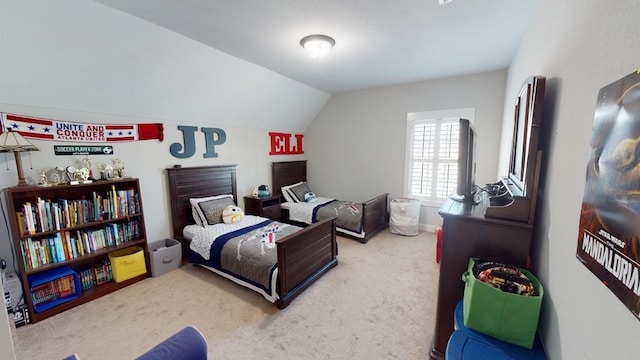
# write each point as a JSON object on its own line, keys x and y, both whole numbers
{"x": 69, "y": 228}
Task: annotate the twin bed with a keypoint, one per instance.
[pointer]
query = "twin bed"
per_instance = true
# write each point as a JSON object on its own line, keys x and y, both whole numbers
{"x": 301, "y": 257}
{"x": 291, "y": 255}
{"x": 360, "y": 221}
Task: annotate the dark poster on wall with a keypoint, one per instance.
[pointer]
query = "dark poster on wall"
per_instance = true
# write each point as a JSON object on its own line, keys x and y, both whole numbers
{"x": 609, "y": 237}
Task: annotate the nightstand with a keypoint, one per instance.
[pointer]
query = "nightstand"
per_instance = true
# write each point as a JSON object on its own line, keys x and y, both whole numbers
{"x": 265, "y": 206}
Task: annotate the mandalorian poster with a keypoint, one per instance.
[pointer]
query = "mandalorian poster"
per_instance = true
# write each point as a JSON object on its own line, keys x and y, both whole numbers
{"x": 609, "y": 236}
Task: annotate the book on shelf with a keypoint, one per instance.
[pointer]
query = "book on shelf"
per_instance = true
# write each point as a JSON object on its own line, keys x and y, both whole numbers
{"x": 57, "y": 214}
{"x": 21, "y": 223}
{"x": 100, "y": 273}
{"x": 50, "y": 251}
{"x": 40, "y": 220}
{"x": 27, "y": 212}
{"x": 114, "y": 202}
{"x": 48, "y": 215}
{"x": 53, "y": 290}
{"x": 65, "y": 245}
{"x": 64, "y": 211}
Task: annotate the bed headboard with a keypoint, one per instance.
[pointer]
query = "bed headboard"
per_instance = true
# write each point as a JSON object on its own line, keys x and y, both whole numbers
{"x": 196, "y": 182}
{"x": 285, "y": 173}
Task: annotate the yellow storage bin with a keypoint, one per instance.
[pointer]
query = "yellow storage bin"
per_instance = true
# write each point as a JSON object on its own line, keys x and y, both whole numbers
{"x": 127, "y": 263}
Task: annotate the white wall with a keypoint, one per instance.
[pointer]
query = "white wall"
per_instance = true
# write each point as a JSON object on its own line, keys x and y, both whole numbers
{"x": 84, "y": 56}
{"x": 580, "y": 46}
{"x": 356, "y": 145}
{"x": 82, "y": 61}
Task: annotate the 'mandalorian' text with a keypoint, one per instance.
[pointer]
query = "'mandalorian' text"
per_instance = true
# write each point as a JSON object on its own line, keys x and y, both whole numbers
{"x": 616, "y": 263}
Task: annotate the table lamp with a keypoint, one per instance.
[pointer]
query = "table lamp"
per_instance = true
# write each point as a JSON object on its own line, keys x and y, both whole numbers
{"x": 12, "y": 141}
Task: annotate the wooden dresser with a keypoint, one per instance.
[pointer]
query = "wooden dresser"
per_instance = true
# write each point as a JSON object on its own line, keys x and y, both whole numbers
{"x": 466, "y": 233}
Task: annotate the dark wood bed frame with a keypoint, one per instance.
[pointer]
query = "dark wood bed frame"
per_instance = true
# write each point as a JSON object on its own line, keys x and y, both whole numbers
{"x": 303, "y": 257}
{"x": 374, "y": 211}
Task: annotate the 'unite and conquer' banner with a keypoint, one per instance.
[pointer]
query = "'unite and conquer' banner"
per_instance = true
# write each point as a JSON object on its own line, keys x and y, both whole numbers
{"x": 80, "y": 132}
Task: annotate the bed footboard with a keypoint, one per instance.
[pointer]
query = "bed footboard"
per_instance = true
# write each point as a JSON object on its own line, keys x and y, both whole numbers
{"x": 304, "y": 257}
{"x": 374, "y": 216}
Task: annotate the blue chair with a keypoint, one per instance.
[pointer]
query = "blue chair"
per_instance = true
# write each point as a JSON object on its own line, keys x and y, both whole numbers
{"x": 186, "y": 344}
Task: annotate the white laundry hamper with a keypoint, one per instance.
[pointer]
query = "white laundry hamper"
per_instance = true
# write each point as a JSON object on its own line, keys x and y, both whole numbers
{"x": 405, "y": 215}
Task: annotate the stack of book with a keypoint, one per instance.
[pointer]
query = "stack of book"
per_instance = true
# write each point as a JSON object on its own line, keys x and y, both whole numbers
{"x": 52, "y": 215}
{"x": 65, "y": 245}
{"x": 53, "y": 290}
{"x": 99, "y": 274}
{"x": 53, "y": 287}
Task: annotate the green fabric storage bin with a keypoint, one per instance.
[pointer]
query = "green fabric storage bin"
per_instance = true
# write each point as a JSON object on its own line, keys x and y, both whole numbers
{"x": 508, "y": 317}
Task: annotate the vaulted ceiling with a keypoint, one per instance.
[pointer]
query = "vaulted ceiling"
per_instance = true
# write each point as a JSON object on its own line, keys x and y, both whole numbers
{"x": 378, "y": 42}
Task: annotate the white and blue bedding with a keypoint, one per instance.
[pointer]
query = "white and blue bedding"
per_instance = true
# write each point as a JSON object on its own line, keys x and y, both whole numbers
{"x": 244, "y": 252}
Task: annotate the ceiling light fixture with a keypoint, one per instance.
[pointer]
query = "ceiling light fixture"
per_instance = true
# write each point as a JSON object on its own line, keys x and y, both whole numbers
{"x": 317, "y": 45}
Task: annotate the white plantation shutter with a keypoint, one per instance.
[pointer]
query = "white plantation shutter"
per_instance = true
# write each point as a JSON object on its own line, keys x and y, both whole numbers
{"x": 433, "y": 158}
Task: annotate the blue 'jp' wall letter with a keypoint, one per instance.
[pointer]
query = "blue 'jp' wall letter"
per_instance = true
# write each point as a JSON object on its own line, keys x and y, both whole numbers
{"x": 212, "y": 136}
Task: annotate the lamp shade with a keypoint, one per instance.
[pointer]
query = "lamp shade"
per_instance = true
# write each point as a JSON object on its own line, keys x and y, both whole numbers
{"x": 12, "y": 141}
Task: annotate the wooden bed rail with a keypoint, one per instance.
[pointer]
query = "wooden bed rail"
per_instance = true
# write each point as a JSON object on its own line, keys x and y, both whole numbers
{"x": 375, "y": 216}
{"x": 304, "y": 258}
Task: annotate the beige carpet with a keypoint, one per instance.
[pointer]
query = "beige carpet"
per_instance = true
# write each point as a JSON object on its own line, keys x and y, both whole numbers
{"x": 378, "y": 303}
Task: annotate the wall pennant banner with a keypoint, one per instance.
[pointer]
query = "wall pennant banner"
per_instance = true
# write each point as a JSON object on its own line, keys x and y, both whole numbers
{"x": 44, "y": 129}
{"x": 609, "y": 233}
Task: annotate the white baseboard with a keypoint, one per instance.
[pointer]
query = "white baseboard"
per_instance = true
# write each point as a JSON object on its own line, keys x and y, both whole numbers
{"x": 428, "y": 227}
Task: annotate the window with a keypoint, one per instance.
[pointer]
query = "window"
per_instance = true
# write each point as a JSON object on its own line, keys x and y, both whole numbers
{"x": 432, "y": 154}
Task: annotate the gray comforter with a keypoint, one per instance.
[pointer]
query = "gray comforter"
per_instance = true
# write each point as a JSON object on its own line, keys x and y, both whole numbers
{"x": 250, "y": 253}
{"x": 349, "y": 214}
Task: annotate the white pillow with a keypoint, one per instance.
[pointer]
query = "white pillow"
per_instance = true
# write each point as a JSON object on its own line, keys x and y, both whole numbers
{"x": 200, "y": 216}
{"x": 288, "y": 196}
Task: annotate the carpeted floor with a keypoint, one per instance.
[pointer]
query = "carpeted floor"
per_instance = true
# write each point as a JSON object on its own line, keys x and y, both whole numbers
{"x": 378, "y": 303}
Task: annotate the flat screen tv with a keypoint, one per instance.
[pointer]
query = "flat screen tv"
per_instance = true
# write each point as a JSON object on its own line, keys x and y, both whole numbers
{"x": 466, "y": 181}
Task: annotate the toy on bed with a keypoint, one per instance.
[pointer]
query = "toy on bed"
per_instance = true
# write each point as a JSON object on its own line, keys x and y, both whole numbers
{"x": 302, "y": 206}
{"x": 232, "y": 214}
{"x": 252, "y": 251}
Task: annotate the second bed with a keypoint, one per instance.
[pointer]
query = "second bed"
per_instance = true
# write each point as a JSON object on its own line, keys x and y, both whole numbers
{"x": 360, "y": 221}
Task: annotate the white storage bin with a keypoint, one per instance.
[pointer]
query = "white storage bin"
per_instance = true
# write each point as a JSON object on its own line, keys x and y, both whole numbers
{"x": 405, "y": 216}
{"x": 166, "y": 255}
